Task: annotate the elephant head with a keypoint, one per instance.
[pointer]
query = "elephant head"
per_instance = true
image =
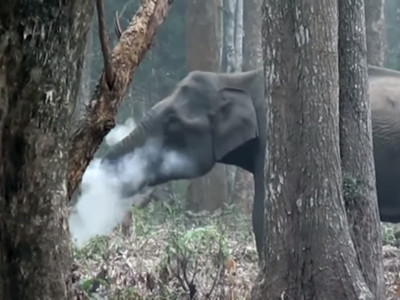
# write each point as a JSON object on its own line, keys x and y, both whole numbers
{"x": 208, "y": 118}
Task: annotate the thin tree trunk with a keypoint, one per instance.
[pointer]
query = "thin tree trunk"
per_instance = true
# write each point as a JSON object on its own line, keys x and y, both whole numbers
{"x": 375, "y": 31}
{"x": 239, "y": 35}
{"x": 243, "y": 194}
{"x": 40, "y": 67}
{"x": 233, "y": 41}
{"x": 252, "y": 51}
{"x": 358, "y": 169}
{"x": 392, "y": 9}
{"x": 229, "y": 34}
{"x": 308, "y": 249}
{"x": 204, "y": 39}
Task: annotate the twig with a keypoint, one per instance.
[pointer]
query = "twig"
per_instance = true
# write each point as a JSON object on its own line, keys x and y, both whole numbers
{"x": 214, "y": 282}
{"x": 117, "y": 25}
{"x": 195, "y": 270}
{"x": 178, "y": 276}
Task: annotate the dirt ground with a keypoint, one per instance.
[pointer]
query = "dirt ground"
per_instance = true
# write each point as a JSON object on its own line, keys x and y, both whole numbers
{"x": 171, "y": 255}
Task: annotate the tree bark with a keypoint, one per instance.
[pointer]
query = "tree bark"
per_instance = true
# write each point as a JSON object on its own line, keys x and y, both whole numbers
{"x": 239, "y": 35}
{"x": 100, "y": 114}
{"x": 308, "y": 250}
{"x": 41, "y": 55}
{"x": 204, "y": 40}
{"x": 375, "y": 31}
{"x": 229, "y": 34}
{"x": 84, "y": 88}
{"x": 356, "y": 146}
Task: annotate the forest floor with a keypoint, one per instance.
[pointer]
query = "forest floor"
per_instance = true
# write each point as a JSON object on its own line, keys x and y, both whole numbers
{"x": 170, "y": 254}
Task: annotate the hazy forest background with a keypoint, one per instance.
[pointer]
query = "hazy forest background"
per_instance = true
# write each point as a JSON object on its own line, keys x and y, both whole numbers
{"x": 194, "y": 239}
{"x": 200, "y": 227}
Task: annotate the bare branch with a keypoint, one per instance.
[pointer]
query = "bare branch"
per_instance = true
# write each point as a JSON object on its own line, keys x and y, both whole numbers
{"x": 196, "y": 270}
{"x": 105, "y": 44}
{"x": 177, "y": 275}
{"x": 183, "y": 262}
{"x": 117, "y": 26}
{"x": 214, "y": 284}
{"x": 100, "y": 113}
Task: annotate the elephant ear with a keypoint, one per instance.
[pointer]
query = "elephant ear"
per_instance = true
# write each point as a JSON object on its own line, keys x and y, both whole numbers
{"x": 235, "y": 121}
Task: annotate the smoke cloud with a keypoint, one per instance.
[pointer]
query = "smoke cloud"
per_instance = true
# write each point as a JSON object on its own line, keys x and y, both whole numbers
{"x": 108, "y": 190}
{"x": 119, "y": 132}
{"x": 101, "y": 205}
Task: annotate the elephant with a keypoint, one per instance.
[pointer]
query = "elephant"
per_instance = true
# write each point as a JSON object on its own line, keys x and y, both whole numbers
{"x": 221, "y": 118}
{"x": 384, "y": 92}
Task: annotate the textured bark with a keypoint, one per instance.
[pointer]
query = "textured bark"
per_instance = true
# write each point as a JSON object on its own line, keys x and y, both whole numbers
{"x": 308, "y": 249}
{"x": 41, "y": 55}
{"x": 84, "y": 88}
{"x": 204, "y": 40}
{"x": 358, "y": 169}
{"x": 100, "y": 114}
{"x": 375, "y": 30}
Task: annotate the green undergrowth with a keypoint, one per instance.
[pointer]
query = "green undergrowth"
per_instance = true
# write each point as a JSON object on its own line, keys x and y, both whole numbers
{"x": 391, "y": 234}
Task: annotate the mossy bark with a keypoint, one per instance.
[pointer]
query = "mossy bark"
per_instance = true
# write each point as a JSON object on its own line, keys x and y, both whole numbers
{"x": 356, "y": 146}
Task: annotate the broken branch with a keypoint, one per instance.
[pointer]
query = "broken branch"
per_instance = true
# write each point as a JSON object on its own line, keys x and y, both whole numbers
{"x": 117, "y": 26}
{"x": 102, "y": 108}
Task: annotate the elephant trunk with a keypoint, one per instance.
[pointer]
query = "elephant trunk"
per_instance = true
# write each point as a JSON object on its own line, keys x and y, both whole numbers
{"x": 129, "y": 161}
{"x": 132, "y": 141}
{"x": 109, "y": 184}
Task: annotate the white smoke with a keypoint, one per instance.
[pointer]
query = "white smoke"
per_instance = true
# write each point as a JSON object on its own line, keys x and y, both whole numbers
{"x": 119, "y": 132}
{"x": 101, "y": 206}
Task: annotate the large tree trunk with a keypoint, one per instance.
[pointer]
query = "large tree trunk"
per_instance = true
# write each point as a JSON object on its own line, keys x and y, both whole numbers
{"x": 358, "y": 169}
{"x": 308, "y": 250}
{"x": 375, "y": 31}
{"x": 40, "y": 67}
{"x": 204, "y": 38}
